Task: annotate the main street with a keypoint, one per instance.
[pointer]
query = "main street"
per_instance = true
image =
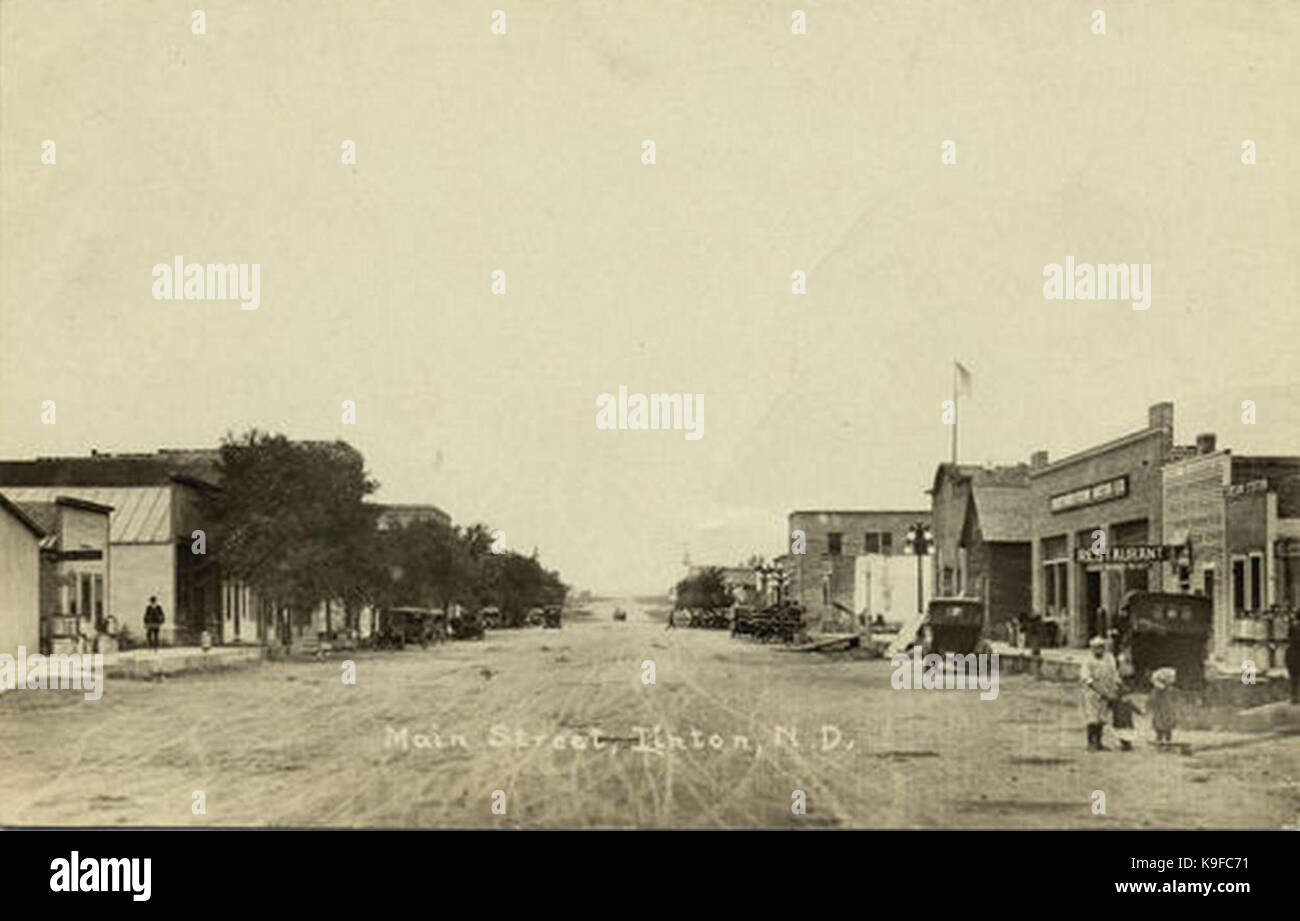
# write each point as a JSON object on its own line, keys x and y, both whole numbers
{"x": 561, "y": 723}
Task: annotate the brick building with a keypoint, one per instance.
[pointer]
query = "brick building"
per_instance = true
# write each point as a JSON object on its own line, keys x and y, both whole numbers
{"x": 1096, "y": 526}
{"x": 825, "y": 575}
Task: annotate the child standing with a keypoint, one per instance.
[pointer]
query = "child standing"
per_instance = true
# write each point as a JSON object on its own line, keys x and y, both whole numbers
{"x": 1122, "y": 709}
{"x": 1161, "y": 704}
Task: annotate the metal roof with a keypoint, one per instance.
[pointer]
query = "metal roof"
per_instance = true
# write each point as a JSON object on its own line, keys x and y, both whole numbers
{"x": 141, "y": 514}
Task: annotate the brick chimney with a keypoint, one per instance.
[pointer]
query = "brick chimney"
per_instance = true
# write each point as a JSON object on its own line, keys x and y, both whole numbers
{"x": 1205, "y": 443}
{"x": 1038, "y": 460}
{"x": 1161, "y": 416}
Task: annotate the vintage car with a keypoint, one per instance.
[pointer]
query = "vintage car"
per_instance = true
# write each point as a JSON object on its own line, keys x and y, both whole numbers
{"x": 468, "y": 626}
{"x": 553, "y": 616}
{"x": 951, "y": 625}
{"x": 491, "y": 617}
{"x": 402, "y": 625}
{"x": 1165, "y": 629}
{"x": 620, "y": 614}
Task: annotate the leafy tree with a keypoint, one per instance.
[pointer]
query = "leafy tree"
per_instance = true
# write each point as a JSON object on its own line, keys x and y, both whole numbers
{"x": 706, "y": 589}
{"x": 290, "y": 519}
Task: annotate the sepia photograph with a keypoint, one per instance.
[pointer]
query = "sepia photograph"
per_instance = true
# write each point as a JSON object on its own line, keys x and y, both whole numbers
{"x": 664, "y": 414}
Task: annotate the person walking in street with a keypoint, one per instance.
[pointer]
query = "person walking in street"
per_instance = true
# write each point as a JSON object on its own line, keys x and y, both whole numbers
{"x": 670, "y": 620}
{"x": 1293, "y": 659}
{"x": 1100, "y": 681}
{"x": 153, "y": 621}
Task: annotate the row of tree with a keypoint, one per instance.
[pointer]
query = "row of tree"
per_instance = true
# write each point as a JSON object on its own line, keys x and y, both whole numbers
{"x": 291, "y": 520}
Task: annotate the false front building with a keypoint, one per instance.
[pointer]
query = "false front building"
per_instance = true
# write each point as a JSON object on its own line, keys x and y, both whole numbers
{"x": 981, "y": 538}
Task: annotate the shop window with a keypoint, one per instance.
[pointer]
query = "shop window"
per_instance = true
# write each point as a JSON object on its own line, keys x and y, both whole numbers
{"x": 1057, "y": 600}
{"x": 835, "y": 543}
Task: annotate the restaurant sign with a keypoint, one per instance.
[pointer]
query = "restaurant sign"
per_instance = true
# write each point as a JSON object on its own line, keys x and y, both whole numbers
{"x": 1116, "y": 488}
{"x": 1129, "y": 555}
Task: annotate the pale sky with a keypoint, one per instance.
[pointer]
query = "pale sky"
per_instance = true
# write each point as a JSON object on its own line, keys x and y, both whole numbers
{"x": 522, "y": 152}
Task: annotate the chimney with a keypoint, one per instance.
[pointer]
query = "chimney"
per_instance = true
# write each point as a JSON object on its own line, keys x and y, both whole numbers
{"x": 1038, "y": 460}
{"x": 1205, "y": 443}
{"x": 1161, "y": 416}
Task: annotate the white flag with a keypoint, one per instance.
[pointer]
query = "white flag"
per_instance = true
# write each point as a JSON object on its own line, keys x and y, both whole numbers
{"x": 963, "y": 380}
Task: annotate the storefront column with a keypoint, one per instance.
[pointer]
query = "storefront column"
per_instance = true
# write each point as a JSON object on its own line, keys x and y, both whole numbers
{"x": 1074, "y": 593}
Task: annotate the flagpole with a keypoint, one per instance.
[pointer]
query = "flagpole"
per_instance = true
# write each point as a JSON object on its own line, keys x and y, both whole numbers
{"x": 955, "y": 414}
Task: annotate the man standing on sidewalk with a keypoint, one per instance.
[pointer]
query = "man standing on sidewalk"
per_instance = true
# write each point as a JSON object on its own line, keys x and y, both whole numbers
{"x": 153, "y": 621}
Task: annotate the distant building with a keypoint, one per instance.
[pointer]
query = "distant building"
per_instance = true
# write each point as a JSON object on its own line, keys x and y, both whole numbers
{"x": 75, "y": 571}
{"x": 20, "y": 579}
{"x": 980, "y": 522}
{"x": 824, "y": 575}
{"x": 400, "y": 515}
{"x": 741, "y": 580}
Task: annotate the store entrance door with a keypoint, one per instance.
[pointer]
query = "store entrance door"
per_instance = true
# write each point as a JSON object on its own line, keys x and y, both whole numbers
{"x": 1092, "y": 601}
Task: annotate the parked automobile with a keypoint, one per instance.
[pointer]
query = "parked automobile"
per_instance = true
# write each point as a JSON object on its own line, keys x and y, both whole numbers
{"x": 951, "y": 625}
{"x": 468, "y": 626}
{"x": 1168, "y": 629}
{"x": 402, "y": 625}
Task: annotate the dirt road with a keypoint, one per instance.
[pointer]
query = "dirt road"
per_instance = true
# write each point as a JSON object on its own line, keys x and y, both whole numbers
{"x": 562, "y": 725}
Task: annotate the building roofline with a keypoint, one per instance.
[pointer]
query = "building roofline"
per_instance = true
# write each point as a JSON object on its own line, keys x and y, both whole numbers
{"x": 85, "y": 504}
{"x": 859, "y": 511}
{"x": 1103, "y": 448}
{"x": 22, "y": 516}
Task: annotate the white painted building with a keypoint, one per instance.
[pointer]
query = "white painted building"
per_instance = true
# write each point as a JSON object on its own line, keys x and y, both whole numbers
{"x": 886, "y": 586}
{"x": 20, "y": 580}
